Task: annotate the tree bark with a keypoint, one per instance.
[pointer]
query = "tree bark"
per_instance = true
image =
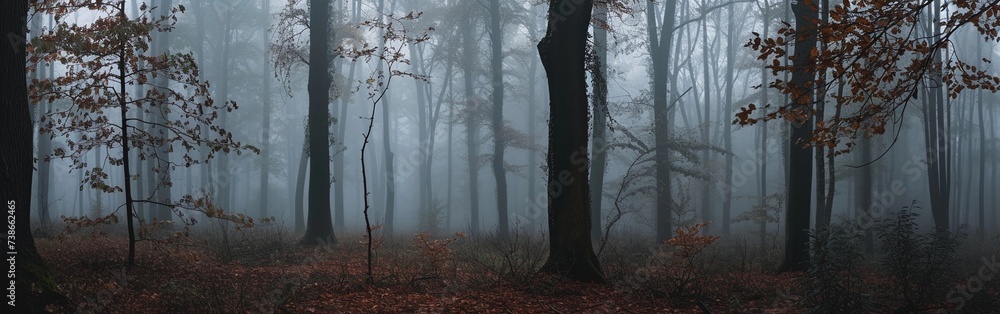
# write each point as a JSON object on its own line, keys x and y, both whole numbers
{"x": 800, "y": 162}
{"x": 319, "y": 228}
{"x": 33, "y": 279}
{"x": 660, "y": 54}
{"x": 496, "y": 65}
{"x": 563, "y": 51}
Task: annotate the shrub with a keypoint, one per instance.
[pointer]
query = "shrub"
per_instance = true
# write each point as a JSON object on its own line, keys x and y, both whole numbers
{"x": 514, "y": 259}
{"x": 680, "y": 268}
{"x": 919, "y": 265}
{"x": 834, "y": 280}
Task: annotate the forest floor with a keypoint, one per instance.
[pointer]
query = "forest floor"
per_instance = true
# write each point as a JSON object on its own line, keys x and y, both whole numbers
{"x": 265, "y": 272}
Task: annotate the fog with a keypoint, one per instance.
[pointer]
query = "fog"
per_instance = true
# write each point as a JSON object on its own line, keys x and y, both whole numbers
{"x": 692, "y": 121}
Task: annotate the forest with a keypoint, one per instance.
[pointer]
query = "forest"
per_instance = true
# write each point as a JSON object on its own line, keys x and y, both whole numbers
{"x": 500, "y": 156}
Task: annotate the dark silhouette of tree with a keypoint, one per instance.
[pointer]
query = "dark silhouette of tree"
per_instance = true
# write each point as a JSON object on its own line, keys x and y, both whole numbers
{"x": 496, "y": 67}
{"x": 563, "y": 53}
{"x": 659, "y": 49}
{"x": 33, "y": 278}
{"x": 800, "y": 156}
{"x": 319, "y": 226}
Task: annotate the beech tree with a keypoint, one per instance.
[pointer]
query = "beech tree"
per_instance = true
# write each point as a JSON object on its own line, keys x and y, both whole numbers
{"x": 319, "y": 226}
{"x": 33, "y": 277}
{"x": 102, "y": 60}
{"x": 887, "y": 54}
{"x": 563, "y": 53}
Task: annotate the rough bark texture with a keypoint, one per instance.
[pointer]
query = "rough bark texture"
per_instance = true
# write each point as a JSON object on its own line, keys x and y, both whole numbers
{"x": 33, "y": 279}
{"x": 562, "y": 51}
{"x": 800, "y": 158}
{"x": 319, "y": 228}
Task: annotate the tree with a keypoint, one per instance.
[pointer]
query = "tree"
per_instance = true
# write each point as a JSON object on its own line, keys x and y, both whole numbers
{"x": 659, "y": 51}
{"x": 265, "y": 99}
{"x": 471, "y": 115}
{"x": 319, "y": 227}
{"x": 102, "y": 59}
{"x": 33, "y": 278}
{"x": 496, "y": 66}
{"x": 800, "y": 162}
{"x": 563, "y": 53}
{"x": 888, "y": 54}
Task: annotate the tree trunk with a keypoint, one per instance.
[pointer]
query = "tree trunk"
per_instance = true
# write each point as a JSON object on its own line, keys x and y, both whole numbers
{"x": 731, "y": 47}
{"x": 265, "y": 98}
{"x": 706, "y": 201}
{"x": 389, "y": 157}
{"x": 660, "y": 54}
{"x": 600, "y": 115}
{"x": 563, "y": 51}
{"x": 800, "y": 162}
{"x": 982, "y": 168}
{"x": 338, "y": 159}
{"x": 223, "y": 180}
{"x": 496, "y": 65}
{"x": 423, "y": 162}
{"x": 319, "y": 228}
{"x": 937, "y": 141}
{"x": 469, "y": 53}
{"x": 863, "y": 184}
{"x": 33, "y": 278}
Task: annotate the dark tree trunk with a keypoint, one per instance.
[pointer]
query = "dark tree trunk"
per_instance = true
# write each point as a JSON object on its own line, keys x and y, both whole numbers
{"x": 659, "y": 47}
{"x": 800, "y": 158}
{"x": 496, "y": 64}
{"x": 599, "y": 146}
{"x": 319, "y": 228}
{"x": 33, "y": 279}
{"x": 863, "y": 183}
{"x": 937, "y": 140}
{"x": 563, "y": 51}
